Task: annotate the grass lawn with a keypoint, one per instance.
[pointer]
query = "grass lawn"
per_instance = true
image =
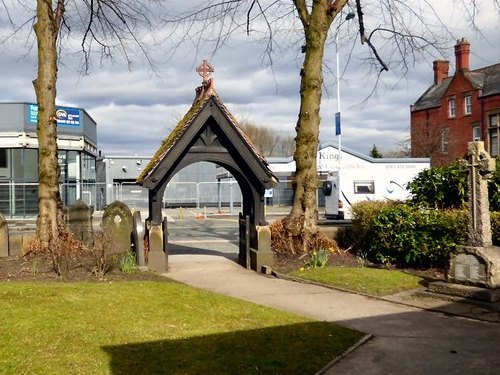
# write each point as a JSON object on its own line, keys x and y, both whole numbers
{"x": 155, "y": 328}
{"x": 373, "y": 281}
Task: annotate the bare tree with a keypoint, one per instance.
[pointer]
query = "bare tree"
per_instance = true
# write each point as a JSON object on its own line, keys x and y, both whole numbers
{"x": 268, "y": 142}
{"x": 286, "y": 146}
{"x": 402, "y": 149}
{"x": 105, "y": 27}
{"x": 396, "y": 33}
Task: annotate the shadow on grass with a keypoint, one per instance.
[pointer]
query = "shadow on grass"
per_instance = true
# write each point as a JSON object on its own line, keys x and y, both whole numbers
{"x": 294, "y": 349}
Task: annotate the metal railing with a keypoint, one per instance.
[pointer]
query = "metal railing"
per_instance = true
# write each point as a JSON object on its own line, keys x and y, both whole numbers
{"x": 20, "y": 200}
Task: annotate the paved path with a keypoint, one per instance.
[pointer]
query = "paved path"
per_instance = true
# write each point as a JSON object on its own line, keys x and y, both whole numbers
{"x": 407, "y": 340}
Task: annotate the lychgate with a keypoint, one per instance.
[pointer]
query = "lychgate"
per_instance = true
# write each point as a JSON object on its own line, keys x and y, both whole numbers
{"x": 208, "y": 132}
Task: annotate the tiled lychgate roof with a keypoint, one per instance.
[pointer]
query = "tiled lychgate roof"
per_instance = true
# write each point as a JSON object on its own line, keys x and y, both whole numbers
{"x": 204, "y": 94}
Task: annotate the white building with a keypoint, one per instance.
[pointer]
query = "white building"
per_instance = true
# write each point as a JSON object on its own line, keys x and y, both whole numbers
{"x": 361, "y": 177}
{"x": 204, "y": 184}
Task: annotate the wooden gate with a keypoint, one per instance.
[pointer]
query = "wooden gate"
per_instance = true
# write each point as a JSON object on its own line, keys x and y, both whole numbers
{"x": 244, "y": 226}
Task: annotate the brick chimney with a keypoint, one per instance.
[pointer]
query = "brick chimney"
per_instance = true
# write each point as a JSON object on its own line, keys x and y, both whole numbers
{"x": 441, "y": 68}
{"x": 462, "y": 51}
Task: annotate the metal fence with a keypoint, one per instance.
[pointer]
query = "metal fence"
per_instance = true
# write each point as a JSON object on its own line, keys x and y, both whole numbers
{"x": 20, "y": 200}
{"x": 185, "y": 194}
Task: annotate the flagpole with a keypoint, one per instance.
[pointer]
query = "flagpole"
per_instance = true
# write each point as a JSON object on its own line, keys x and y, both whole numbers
{"x": 338, "y": 123}
{"x": 338, "y": 117}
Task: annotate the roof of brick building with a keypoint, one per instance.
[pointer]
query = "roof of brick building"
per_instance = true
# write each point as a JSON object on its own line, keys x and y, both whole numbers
{"x": 485, "y": 79}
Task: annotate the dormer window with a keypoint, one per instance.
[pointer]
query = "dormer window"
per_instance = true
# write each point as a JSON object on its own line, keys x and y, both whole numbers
{"x": 451, "y": 107}
{"x": 467, "y": 105}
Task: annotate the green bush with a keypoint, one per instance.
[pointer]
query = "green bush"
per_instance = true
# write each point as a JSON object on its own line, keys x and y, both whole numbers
{"x": 446, "y": 187}
{"x": 363, "y": 216}
{"x": 404, "y": 235}
{"x": 495, "y": 228}
{"x": 494, "y": 188}
{"x": 440, "y": 187}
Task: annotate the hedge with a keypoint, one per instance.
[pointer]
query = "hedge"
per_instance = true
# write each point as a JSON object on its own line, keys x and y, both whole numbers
{"x": 406, "y": 235}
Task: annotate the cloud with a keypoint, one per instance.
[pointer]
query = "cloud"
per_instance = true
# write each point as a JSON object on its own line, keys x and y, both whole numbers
{"x": 135, "y": 107}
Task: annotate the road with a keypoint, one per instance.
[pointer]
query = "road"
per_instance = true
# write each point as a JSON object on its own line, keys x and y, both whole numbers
{"x": 218, "y": 236}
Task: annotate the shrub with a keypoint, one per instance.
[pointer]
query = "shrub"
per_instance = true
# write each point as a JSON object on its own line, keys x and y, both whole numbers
{"x": 440, "y": 187}
{"x": 446, "y": 187}
{"x": 68, "y": 253}
{"x": 65, "y": 251}
{"x": 405, "y": 235}
{"x": 495, "y": 228}
{"x": 494, "y": 188}
{"x": 363, "y": 216}
{"x": 99, "y": 257}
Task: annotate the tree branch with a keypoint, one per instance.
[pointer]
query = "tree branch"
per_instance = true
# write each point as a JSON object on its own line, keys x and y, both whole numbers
{"x": 365, "y": 39}
{"x": 248, "y": 16}
{"x": 59, "y": 14}
{"x": 304, "y": 15}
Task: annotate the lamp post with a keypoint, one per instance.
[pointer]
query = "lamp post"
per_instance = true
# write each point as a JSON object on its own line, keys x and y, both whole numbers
{"x": 338, "y": 130}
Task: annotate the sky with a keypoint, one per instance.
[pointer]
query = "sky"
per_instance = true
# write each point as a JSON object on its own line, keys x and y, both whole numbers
{"x": 135, "y": 108}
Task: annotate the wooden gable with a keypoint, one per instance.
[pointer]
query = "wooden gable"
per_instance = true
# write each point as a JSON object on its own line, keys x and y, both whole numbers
{"x": 208, "y": 132}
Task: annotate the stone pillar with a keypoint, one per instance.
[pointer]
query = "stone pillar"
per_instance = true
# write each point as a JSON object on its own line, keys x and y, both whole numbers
{"x": 262, "y": 256}
{"x": 480, "y": 166}
{"x": 156, "y": 256}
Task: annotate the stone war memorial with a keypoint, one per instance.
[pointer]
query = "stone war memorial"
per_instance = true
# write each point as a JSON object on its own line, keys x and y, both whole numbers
{"x": 474, "y": 269}
{"x": 209, "y": 132}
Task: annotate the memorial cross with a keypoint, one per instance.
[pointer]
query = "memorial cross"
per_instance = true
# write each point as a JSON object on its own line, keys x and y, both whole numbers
{"x": 480, "y": 166}
{"x": 205, "y": 70}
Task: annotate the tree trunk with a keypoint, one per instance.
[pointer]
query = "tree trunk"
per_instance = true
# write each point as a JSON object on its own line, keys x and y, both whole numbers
{"x": 50, "y": 213}
{"x": 302, "y": 219}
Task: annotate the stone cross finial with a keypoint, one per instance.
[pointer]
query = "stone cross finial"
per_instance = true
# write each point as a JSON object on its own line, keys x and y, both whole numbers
{"x": 205, "y": 70}
{"x": 480, "y": 166}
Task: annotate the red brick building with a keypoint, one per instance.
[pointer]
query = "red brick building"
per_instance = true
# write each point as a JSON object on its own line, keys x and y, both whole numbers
{"x": 456, "y": 110}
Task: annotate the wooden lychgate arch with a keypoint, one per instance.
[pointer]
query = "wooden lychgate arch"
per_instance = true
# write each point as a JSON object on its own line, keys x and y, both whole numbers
{"x": 208, "y": 132}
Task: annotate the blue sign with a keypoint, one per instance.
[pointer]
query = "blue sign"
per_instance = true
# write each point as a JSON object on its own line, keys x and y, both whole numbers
{"x": 337, "y": 124}
{"x": 65, "y": 116}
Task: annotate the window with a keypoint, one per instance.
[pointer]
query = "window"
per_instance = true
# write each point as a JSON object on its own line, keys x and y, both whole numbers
{"x": 494, "y": 131}
{"x": 467, "y": 105}
{"x": 476, "y": 133}
{"x": 364, "y": 187}
{"x": 451, "y": 107}
{"x": 445, "y": 140}
{"x": 3, "y": 158}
